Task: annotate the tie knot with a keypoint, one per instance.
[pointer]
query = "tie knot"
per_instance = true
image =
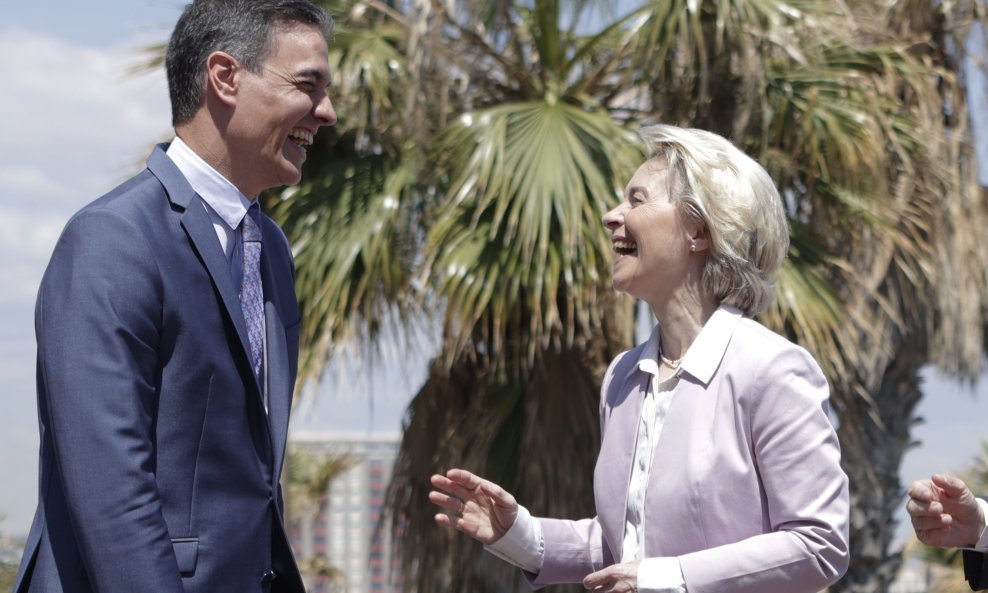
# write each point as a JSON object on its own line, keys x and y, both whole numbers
{"x": 250, "y": 228}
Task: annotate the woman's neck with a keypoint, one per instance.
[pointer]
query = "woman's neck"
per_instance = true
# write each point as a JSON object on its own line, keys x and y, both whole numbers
{"x": 680, "y": 321}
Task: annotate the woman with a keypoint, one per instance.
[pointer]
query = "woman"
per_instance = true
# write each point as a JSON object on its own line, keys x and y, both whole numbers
{"x": 719, "y": 470}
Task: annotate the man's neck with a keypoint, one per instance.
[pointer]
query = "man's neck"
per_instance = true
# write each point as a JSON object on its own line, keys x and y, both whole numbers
{"x": 208, "y": 145}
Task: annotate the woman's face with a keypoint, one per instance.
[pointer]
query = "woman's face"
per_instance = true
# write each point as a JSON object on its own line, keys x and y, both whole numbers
{"x": 651, "y": 241}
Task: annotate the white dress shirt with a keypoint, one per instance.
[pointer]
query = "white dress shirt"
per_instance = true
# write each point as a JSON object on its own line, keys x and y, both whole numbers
{"x": 982, "y": 545}
{"x": 225, "y": 204}
{"x": 523, "y": 544}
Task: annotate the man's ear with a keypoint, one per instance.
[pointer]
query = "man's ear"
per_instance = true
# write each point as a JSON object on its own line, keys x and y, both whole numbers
{"x": 223, "y": 73}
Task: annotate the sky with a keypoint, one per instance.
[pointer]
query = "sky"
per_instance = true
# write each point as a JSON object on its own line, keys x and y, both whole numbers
{"x": 75, "y": 121}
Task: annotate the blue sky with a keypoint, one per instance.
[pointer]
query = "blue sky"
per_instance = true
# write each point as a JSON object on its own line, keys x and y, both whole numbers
{"x": 75, "y": 122}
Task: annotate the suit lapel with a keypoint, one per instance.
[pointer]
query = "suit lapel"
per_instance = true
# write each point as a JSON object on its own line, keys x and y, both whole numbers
{"x": 200, "y": 229}
{"x": 195, "y": 220}
{"x": 613, "y": 476}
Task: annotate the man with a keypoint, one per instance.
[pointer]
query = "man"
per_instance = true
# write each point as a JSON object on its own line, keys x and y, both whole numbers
{"x": 167, "y": 329}
{"x": 946, "y": 514}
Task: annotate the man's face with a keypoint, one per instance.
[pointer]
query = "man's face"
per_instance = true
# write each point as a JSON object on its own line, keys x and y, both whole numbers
{"x": 279, "y": 110}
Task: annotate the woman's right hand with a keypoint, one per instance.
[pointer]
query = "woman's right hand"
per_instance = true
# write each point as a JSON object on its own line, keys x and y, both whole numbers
{"x": 479, "y": 508}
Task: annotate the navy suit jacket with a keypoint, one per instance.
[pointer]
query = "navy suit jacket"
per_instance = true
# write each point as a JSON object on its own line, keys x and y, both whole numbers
{"x": 159, "y": 466}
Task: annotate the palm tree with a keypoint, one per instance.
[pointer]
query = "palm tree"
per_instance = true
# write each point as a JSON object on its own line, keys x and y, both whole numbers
{"x": 480, "y": 143}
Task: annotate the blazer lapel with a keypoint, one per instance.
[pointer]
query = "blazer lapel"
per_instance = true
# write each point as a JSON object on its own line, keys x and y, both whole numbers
{"x": 612, "y": 478}
{"x": 195, "y": 220}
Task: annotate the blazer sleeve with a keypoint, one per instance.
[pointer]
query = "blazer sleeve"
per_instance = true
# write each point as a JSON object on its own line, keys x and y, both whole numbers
{"x": 976, "y": 569}
{"x": 805, "y": 491}
{"x": 98, "y": 317}
{"x": 573, "y": 549}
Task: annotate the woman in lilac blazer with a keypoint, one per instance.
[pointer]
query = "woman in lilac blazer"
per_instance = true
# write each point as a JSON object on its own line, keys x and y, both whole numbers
{"x": 719, "y": 469}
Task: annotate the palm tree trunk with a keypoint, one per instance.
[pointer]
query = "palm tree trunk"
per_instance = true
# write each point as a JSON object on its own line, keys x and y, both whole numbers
{"x": 873, "y": 443}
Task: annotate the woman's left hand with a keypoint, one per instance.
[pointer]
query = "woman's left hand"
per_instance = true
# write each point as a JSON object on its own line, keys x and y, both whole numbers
{"x": 616, "y": 578}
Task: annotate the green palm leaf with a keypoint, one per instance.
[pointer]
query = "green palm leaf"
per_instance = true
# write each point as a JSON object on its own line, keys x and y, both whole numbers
{"x": 520, "y": 229}
{"x": 353, "y": 239}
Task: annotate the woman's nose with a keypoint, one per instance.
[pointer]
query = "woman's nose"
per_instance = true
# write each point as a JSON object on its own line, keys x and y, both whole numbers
{"x": 613, "y": 218}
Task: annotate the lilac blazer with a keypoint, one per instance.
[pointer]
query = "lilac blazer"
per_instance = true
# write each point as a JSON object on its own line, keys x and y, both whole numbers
{"x": 746, "y": 488}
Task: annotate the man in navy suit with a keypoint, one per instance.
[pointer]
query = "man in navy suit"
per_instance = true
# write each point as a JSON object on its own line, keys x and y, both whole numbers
{"x": 163, "y": 402}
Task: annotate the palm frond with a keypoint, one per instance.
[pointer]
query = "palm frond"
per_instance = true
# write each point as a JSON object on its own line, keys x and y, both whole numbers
{"x": 520, "y": 228}
{"x": 352, "y": 233}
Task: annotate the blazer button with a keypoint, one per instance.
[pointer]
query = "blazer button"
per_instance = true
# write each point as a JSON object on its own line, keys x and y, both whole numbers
{"x": 268, "y": 577}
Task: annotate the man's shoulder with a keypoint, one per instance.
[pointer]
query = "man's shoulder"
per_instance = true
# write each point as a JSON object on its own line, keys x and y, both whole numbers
{"x": 137, "y": 199}
{"x": 132, "y": 192}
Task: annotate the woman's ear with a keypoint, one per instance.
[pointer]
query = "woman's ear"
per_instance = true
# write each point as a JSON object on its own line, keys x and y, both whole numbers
{"x": 699, "y": 238}
{"x": 222, "y": 76}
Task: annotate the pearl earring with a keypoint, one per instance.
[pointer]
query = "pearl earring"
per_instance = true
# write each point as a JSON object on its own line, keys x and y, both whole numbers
{"x": 692, "y": 246}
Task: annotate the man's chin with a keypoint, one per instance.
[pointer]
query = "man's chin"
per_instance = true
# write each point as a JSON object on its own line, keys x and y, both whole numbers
{"x": 292, "y": 174}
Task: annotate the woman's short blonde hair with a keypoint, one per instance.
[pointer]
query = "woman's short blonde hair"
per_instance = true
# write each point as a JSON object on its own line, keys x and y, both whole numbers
{"x": 737, "y": 202}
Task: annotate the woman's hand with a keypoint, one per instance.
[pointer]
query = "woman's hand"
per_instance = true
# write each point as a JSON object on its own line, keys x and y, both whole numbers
{"x": 616, "y": 578}
{"x": 473, "y": 505}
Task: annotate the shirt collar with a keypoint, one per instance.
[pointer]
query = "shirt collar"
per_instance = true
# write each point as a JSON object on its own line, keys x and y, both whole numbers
{"x": 704, "y": 354}
{"x": 222, "y": 196}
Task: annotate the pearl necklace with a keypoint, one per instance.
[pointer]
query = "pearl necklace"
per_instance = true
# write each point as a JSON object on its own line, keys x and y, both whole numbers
{"x": 672, "y": 363}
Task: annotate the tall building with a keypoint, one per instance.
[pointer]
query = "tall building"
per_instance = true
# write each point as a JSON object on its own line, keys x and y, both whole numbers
{"x": 351, "y": 534}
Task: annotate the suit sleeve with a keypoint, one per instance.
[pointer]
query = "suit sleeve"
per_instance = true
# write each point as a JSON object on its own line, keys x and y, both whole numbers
{"x": 98, "y": 322}
{"x": 976, "y": 569}
{"x": 797, "y": 458}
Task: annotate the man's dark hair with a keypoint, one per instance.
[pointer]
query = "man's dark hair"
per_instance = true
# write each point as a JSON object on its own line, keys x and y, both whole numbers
{"x": 242, "y": 28}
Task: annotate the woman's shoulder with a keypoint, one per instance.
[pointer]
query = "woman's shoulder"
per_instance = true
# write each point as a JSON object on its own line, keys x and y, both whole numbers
{"x": 755, "y": 339}
{"x": 763, "y": 352}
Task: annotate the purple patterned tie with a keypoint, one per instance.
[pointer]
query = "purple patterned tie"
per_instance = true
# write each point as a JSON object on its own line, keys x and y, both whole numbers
{"x": 251, "y": 293}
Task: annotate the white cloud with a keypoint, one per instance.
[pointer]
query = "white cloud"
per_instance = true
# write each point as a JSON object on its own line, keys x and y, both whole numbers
{"x": 76, "y": 120}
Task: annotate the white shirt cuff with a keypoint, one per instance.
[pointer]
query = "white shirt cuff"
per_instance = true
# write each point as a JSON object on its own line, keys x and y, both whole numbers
{"x": 982, "y": 545}
{"x": 523, "y": 544}
{"x": 660, "y": 575}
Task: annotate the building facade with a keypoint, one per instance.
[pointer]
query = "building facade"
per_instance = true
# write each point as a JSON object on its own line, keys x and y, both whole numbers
{"x": 348, "y": 544}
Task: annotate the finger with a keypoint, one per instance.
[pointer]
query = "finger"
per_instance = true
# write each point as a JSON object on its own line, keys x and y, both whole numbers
{"x": 455, "y": 491}
{"x": 450, "y": 503}
{"x": 917, "y": 508}
{"x": 937, "y": 522}
{"x": 444, "y": 520}
{"x": 464, "y": 478}
{"x": 467, "y": 494}
{"x": 500, "y": 496}
{"x": 951, "y": 485}
{"x": 922, "y": 490}
{"x": 594, "y": 580}
{"x": 458, "y": 482}
{"x": 443, "y": 483}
